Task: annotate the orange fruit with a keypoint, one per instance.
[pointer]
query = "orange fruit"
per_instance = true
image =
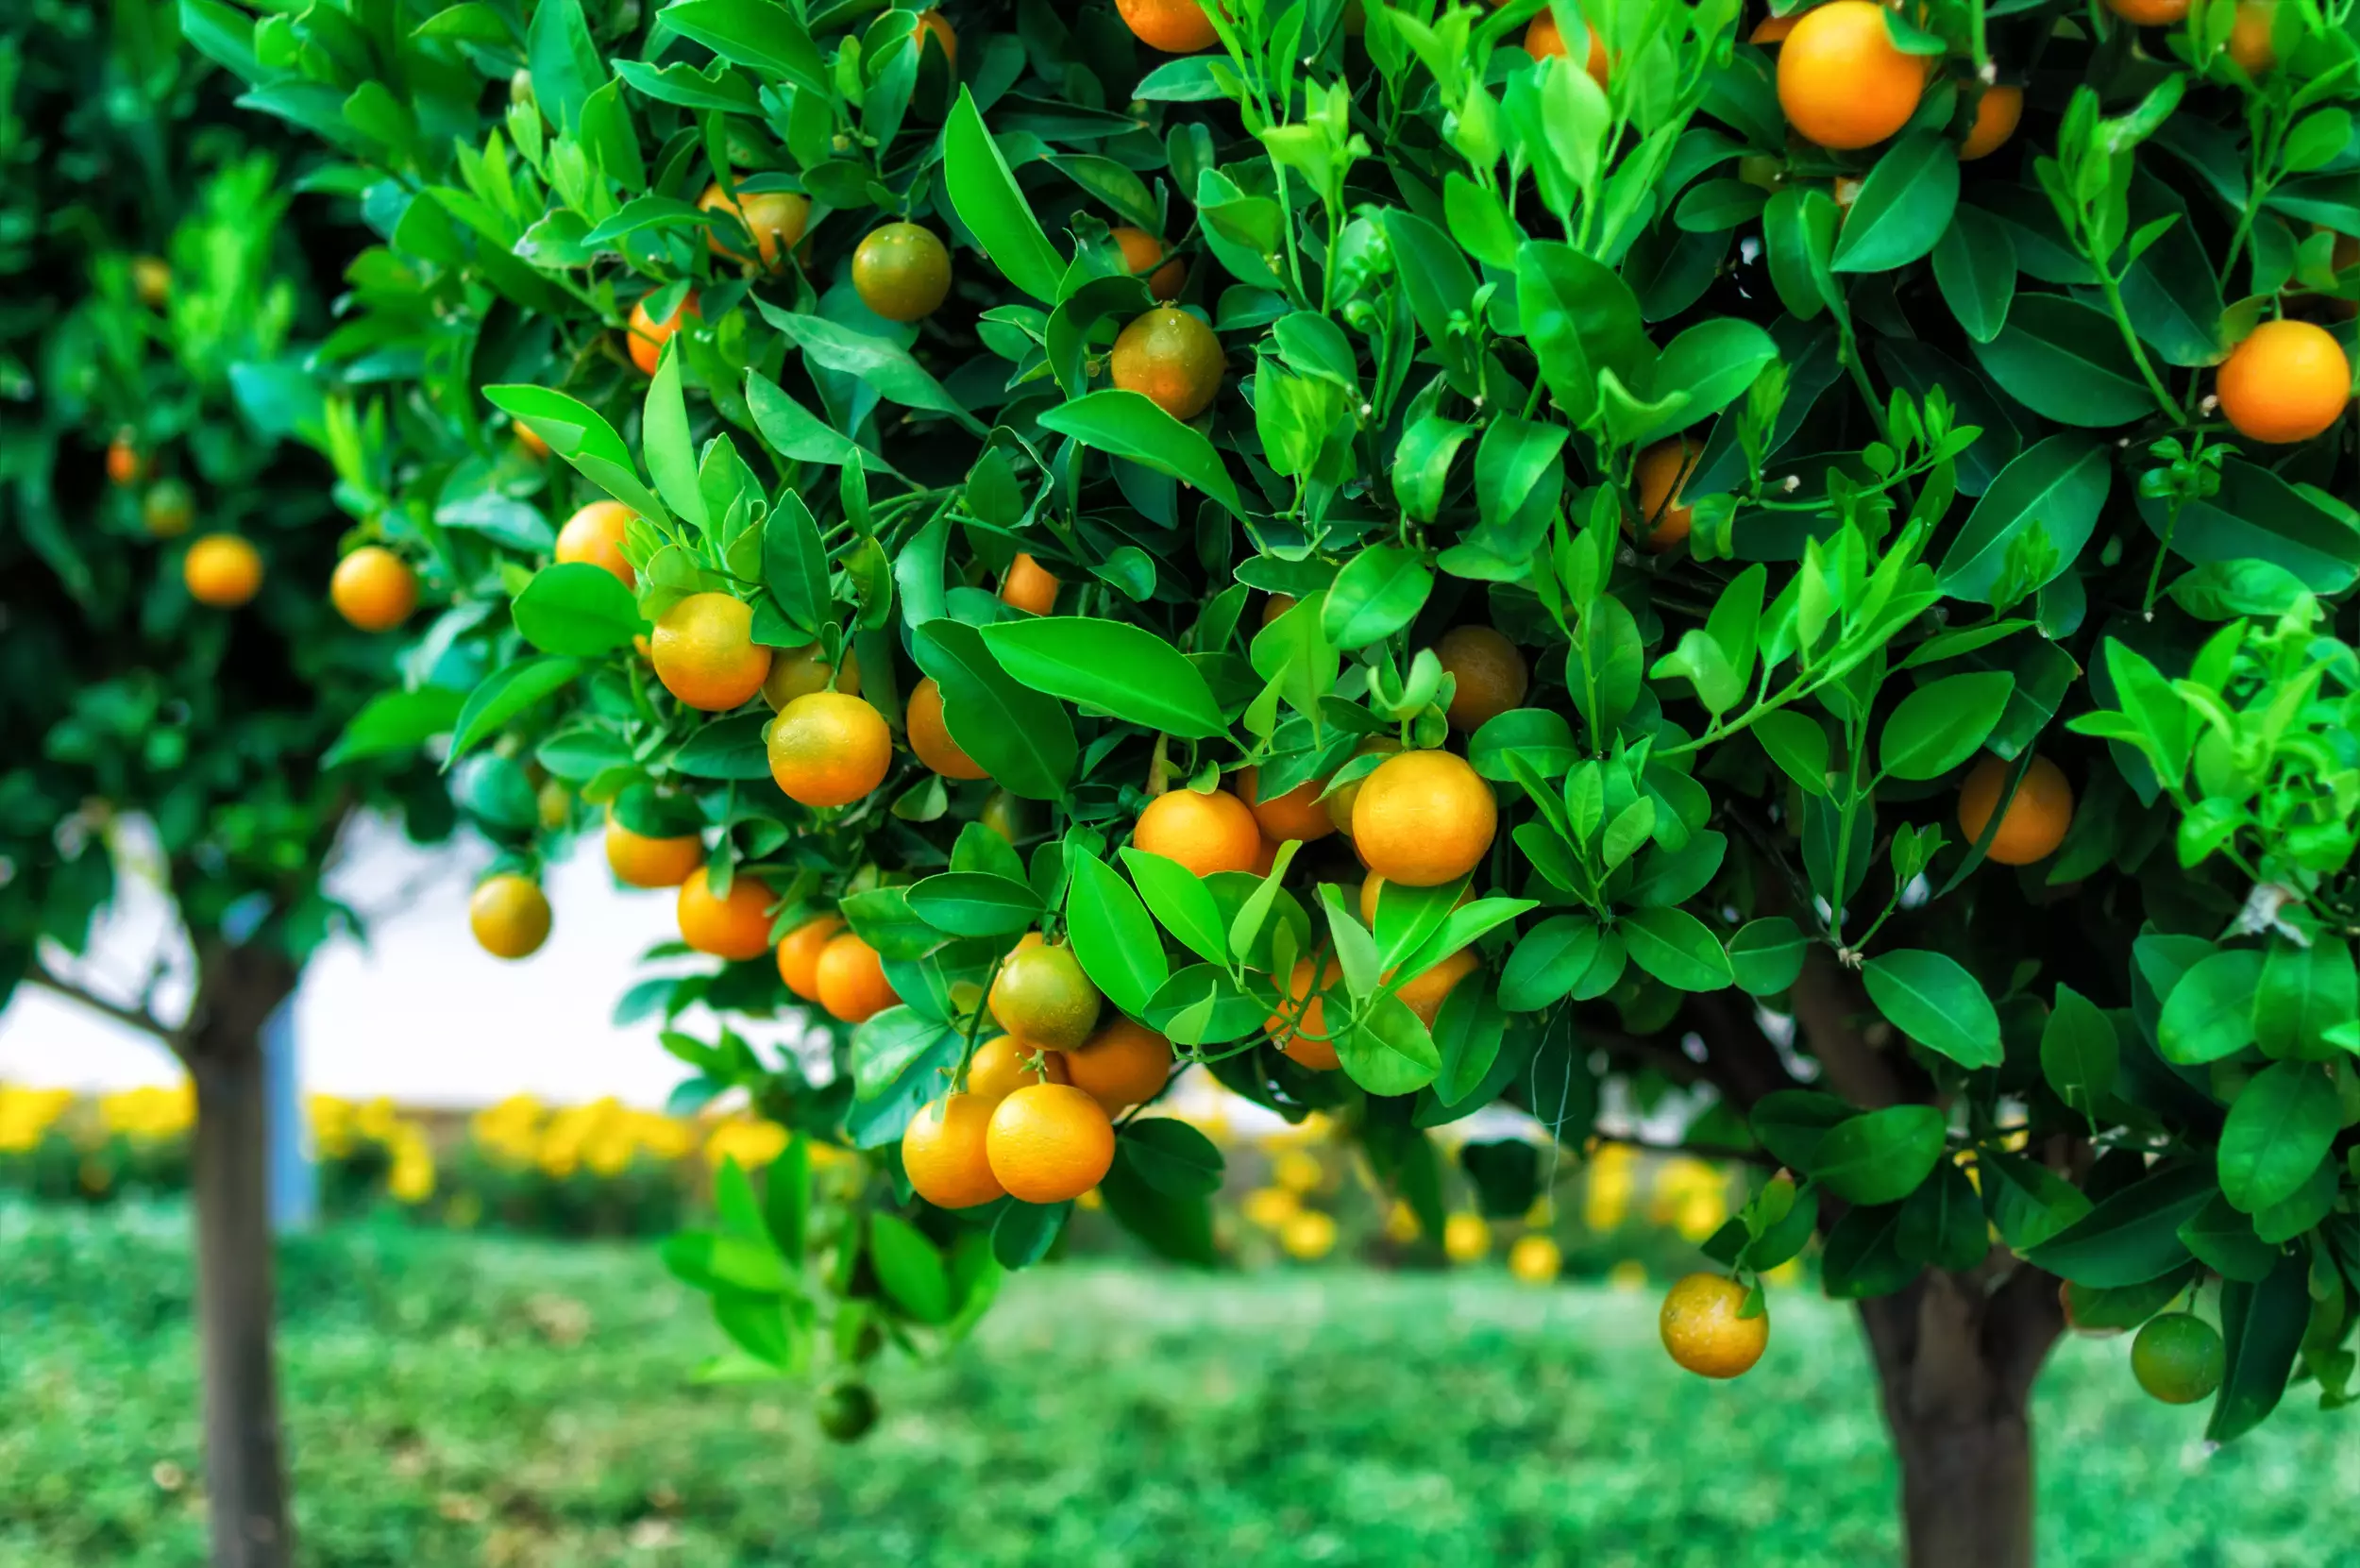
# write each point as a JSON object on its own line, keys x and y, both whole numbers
{"x": 1296, "y": 814}
{"x": 942, "y": 1153}
{"x": 1491, "y": 674}
{"x": 123, "y": 462}
{"x": 1423, "y": 995}
{"x": 1422, "y": 818}
{"x": 901, "y": 271}
{"x": 1842, "y": 82}
{"x": 1172, "y": 358}
{"x": 509, "y": 915}
{"x": 931, "y": 738}
{"x": 2250, "y": 35}
{"x": 639, "y": 861}
{"x": 1175, "y": 27}
{"x": 1041, "y": 995}
{"x": 799, "y": 954}
{"x": 151, "y": 279}
{"x": 649, "y": 335}
{"x": 374, "y": 588}
{"x": 1372, "y": 889}
{"x": 829, "y": 749}
{"x": 705, "y": 654}
{"x": 1276, "y": 606}
{"x": 851, "y": 980}
{"x": 1125, "y": 1064}
{"x": 944, "y": 35}
{"x": 1996, "y": 115}
{"x": 1773, "y": 29}
{"x": 1339, "y": 805}
{"x": 2178, "y": 1357}
{"x": 529, "y": 439}
{"x": 1144, "y": 253}
{"x": 1308, "y": 1044}
{"x": 734, "y": 927}
{"x": 1029, "y": 585}
{"x": 222, "y": 571}
{"x": 799, "y": 672}
{"x": 1699, "y": 1321}
{"x": 1050, "y": 1143}
{"x": 2148, "y": 13}
{"x": 167, "y": 508}
{"x": 595, "y": 534}
{"x": 774, "y": 218}
{"x": 1204, "y": 832}
{"x": 1001, "y": 1065}
{"x": 1544, "y": 37}
{"x": 1661, "y": 476}
{"x": 2037, "y": 817}
{"x": 2287, "y": 381}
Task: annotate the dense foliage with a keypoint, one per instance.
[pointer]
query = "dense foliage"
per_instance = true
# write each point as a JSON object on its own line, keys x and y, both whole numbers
{"x": 1831, "y": 532}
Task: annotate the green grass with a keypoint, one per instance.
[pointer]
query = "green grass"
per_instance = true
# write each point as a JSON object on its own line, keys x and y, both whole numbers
{"x": 472, "y": 1400}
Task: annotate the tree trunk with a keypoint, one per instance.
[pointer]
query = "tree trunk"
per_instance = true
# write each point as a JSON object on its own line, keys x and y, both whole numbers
{"x": 245, "y": 1480}
{"x": 1955, "y": 1364}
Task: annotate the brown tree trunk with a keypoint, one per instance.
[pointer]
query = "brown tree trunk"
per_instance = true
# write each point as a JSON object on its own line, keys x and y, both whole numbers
{"x": 1955, "y": 1363}
{"x": 246, "y": 1479}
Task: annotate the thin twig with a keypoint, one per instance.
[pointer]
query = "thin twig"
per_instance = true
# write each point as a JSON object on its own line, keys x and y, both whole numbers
{"x": 136, "y": 1018}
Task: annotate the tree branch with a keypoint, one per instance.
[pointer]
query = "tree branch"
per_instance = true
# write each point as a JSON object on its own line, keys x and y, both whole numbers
{"x": 136, "y": 1018}
{"x": 1739, "y": 1059}
{"x": 1826, "y": 1007}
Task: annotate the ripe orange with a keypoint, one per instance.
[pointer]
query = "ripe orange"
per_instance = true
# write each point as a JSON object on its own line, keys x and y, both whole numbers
{"x": 799, "y": 672}
{"x": 1050, "y": 1143}
{"x": 1996, "y": 115}
{"x": 931, "y": 738}
{"x": 734, "y": 927}
{"x": 509, "y": 915}
{"x": 942, "y": 1153}
{"x": 639, "y": 861}
{"x": 151, "y": 279}
{"x": 829, "y": 749}
{"x": 1029, "y": 585}
{"x": 649, "y": 335}
{"x": 1297, "y": 814}
{"x": 1144, "y": 253}
{"x": 529, "y": 439}
{"x": 1662, "y": 474}
{"x": 799, "y": 954}
{"x": 374, "y": 588}
{"x": 1042, "y": 996}
{"x": 1423, "y": 995}
{"x": 1002, "y": 1065}
{"x": 123, "y": 462}
{"x": 1339, "y": 805}
{"x": 1308, "y": 1044}
{"x": 1204, "y": 832}
{"x": 774, "y": 218}
{"x": 1842, "y": 82}
{"x": 944, "y": 34}
{"x": 2178, "y": 1357}
{"x": 595, "y": 534}
{"x": 1276, "y": 606}
{"x": 2148, "y": 13}
{"x": 2037, "y": 817}
{"x": 705, "y": 654}
{"x": 168, "y": 509}
{"x": 1544, "y": 37}
{"x": 1175, "y": 27}
{"x": 1424, "y": 818}
{"x": 2287, "y": 381}
{"x": 1534, "y": 1259}
{"x": 1125, "y": 1064}
{"x": 851, "y": 980}
{"x": 222, "y": 571}
{"x": 1773, "y": 29}
{"x": 1171, "y": 358}
{"x": 901, "y": 271}
{"x": 1491, "y": 674}
{"x": 2250, "y": 35}
{"x": 1700, "y": 1324}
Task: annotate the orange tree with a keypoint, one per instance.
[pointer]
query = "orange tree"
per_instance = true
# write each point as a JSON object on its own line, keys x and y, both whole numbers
{"x": 171, "y": 670}
{"x": 1797, "y": 560}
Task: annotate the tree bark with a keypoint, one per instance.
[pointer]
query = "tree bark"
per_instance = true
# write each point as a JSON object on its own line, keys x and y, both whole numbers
{"x": 245, "y": 1480}
{"x": 1955, "y": 1363}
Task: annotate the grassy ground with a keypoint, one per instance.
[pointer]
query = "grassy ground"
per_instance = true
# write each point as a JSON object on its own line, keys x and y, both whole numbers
{"x": 458, "y": 1400}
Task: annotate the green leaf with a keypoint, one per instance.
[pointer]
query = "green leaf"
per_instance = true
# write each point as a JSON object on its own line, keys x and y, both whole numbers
{"x": 726, "y": 749}
{"x": 1903, "y": 205}
{"x": 2058, "y": 486}
{"x": 1942, "y": 1223}
{"x": 1468, "y": 1032}
{"x": 2277, "y": 1133}
{"x": 2209, "y": 1014}
{"x": 1792, "y": 1123}
{"x": 2134, "y": 1235}
{"x": 1766, "y": 955}
{"x": 2258, "y": 516}
{"x": 1113, "y": 935}
{"x": 1546, "y": 962}
{"x": 1130, "y": 425}
{"x": 576, "y": 432}
{"x": 909, "y": 1268}
{"x": 1180, "y": 1229}
{"x": 2305, "y": 991}
{"x": 798, "y": 434}
{"x": 1379, "y": 591}
{"x": 1797, "y": 744}
{"x": 1709, "y": 366}
{"x": 1111, "y": 666}
{"x": 564, "y": 62}
{"x": 1580, "y": 318}
{"x": 2065, "y": 362}
{"x": 578, "y": 609}
{"x": 1933, "y": 1000}
{"x": 2262, "y": 1326}
{"x": 1974, "y": 268}
{"x": 1021, "y": 737}
{"x": 795, "y": 567}
{"x": 751, "y": 33}
{"x": 2223, "y": 1240}
{"x": 879, "y": 363}
{"x": 396, "y": 721}
{"x": 505, "y": 693}
{"x": 1943, "y": 723}
{"x": 1182, "y": 902}
{"x": 990, "y": 206}
{"x": 1388, "y": 1052}
{"x": 1173, "y": 1156}
{"x": 1677, "y": 949}
{"x": 975, "y": 904}
{"x": 2079, "y": 1052}
{"x": 1881, "y": 1157}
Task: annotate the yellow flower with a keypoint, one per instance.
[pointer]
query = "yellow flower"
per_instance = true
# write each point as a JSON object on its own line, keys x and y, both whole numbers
{"x": 1270, "y": 1207}
{"x": 753, "y": 1142}
{"x": 1308, "y": 1234}
{"x": 1534, "y": 1259}
{"x": 1401, "y": 1224}
{"x": 26, "y": 1114}
{"x": 1606, "y": 1193}
{"x": 1466, "y": 1238}
{"x": 376, "y": 1121}
{"x": 412, "y": 1179}
{"x": 332, "y": 1125}
{"x": 149, "y": 1114}
{"x": 608, "y": 1154}
{"x": 1701, "y": 1214}
{"x": 1297, "y": 1171}
{"x": 1629, "y": 1274}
